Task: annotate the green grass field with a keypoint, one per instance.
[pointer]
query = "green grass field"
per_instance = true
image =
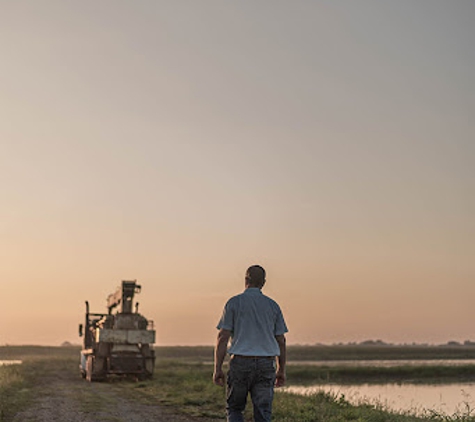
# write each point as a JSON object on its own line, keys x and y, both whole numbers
{"x": 182, "y": 380}
{"x": 295, "y": 353}
{"x": 346, "y": 352}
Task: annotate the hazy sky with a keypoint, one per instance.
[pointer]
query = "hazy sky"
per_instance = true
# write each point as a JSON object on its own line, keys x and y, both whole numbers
{"x": 179, "y": 142}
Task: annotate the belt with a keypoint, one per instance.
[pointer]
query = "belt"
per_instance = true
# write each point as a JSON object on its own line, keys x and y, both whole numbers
{"x": 252, "y": 357}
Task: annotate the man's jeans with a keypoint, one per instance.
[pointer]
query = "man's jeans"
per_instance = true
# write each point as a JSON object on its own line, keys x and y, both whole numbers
{"x": 255, "y": 376}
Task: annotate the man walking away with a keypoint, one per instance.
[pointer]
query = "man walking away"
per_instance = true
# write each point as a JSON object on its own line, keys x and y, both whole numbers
{"x": 256, "y": 326}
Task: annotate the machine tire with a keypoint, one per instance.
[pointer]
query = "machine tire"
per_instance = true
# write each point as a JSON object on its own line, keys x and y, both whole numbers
{"x": 95, "y": 369}
{"x": 89, "y": 368}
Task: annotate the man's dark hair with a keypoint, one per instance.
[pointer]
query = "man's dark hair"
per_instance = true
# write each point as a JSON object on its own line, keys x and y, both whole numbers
{"x": 256, "y": 276}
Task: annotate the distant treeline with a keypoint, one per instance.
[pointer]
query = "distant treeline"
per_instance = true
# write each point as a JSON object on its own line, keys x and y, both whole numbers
{"x": 382, "y": 343}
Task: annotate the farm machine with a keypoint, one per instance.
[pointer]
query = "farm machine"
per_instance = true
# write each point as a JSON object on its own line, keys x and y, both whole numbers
{"x": 117, "y": 343}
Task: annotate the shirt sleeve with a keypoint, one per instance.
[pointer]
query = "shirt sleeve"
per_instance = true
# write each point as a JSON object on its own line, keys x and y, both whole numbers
{"x": 280, "y": 326}
{"x": 227, "y": 318}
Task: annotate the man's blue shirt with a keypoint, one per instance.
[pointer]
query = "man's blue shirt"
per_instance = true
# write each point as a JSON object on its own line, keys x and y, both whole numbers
{"x": 254, "y": 320}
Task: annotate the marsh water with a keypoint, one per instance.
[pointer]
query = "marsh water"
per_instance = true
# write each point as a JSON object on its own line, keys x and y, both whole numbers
{"x": 386, "y": 363}
{"x": 414, "y": 398}
{"x": 418, "y": 399}
{"x": 9, "y": 362}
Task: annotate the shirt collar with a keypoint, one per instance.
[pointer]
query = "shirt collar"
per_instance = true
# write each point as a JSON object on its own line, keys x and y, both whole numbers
{"x": 253, "y": 290}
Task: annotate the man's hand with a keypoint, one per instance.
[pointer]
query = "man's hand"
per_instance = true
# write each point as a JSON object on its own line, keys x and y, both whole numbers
{"x": 218, "y": 377}
{"x": 219, "y": 355}
{"x": 280, "y": 378}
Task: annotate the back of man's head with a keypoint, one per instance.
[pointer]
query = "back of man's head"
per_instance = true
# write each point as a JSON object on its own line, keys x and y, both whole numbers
{"x": 255, "y": 276}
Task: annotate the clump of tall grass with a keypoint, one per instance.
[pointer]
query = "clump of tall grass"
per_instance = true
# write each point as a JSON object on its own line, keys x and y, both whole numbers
{"x": 327, "y": 407}
{"x": 12, "y": 390}
{"x": 182, "y": 385}
{"x": 465, "y": 413}
{"x": 10, "y": 375}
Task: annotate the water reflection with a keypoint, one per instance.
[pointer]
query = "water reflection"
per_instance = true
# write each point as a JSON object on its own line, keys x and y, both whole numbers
{"x": 10, "y": 362}
{"x": 386, "y": 363}
{"x": 448, "y": 399}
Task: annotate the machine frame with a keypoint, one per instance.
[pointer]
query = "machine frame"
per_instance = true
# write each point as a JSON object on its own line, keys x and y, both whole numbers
{"x": 120, "y": 343}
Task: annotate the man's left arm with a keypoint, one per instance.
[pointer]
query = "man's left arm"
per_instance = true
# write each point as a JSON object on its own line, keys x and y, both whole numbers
{"x": 281, "y": 361}
{"x": 219, "y": 355}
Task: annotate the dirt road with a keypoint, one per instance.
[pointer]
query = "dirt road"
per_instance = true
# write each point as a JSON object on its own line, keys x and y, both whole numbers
{"x": 66, "y": 397}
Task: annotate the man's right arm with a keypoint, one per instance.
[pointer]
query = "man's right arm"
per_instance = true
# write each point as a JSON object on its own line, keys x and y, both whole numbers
{"x": 281, "y": 361}
{"x": 219, "y": 355}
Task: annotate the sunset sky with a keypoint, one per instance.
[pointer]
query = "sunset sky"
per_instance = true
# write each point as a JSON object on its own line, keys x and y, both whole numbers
{"x": 179, "y": 142}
